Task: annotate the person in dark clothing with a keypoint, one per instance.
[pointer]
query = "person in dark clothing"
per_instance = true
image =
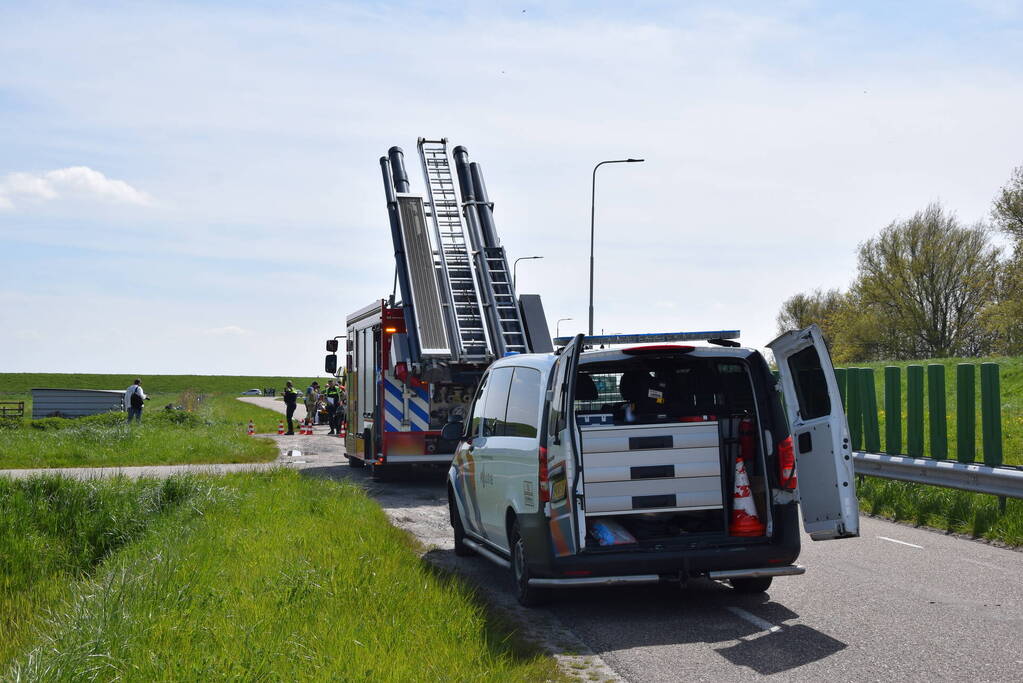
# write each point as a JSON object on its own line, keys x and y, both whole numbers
{"x": 290, "y": 402}
{"x": 333, "y": 395}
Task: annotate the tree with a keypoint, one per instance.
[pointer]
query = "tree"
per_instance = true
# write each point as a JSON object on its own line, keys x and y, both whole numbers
{"x": 1004, "y": 317}
{"x": 1007, "y": 210}
{"x": 927, "y": 279}
{"x": 800, "y": 310}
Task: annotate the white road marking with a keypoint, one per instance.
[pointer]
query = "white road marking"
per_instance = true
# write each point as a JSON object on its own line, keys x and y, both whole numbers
{"x": 762, "y": 624}
{"x": 895, "y": 540}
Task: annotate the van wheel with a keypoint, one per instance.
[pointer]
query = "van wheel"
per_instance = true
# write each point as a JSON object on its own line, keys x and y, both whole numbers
{"x": 461, "y": 549}
{"x": 758, "y": 584}
{"x": 526, "y": 595}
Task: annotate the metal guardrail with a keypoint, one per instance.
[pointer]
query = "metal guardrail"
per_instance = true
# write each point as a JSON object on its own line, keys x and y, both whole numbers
{"x": 997, "y": 481}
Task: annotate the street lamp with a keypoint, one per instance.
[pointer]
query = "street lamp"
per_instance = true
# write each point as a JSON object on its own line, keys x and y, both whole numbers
{"x": 516, "y": 265}
{"x": 593, "y": 192}
{"x": 557, "y": 326}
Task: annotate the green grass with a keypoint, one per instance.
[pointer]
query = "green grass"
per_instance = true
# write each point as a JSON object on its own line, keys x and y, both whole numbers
{"x": 213, "y": 433}
{"x": 270, "y": 579}
{"x": 1012, "y": 404}
{"x": 973, "y": 514}
{"x": 55, "y": 531}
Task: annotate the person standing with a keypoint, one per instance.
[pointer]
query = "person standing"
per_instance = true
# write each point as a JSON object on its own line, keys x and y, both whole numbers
{"x": 333, "y": 395}
{"x": 134, "y": 400}
{"x": 312, "y": 401}
{"x": 290, "y": 403}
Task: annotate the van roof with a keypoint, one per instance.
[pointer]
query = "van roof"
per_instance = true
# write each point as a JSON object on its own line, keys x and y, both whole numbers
{"x": 543, "y": 361}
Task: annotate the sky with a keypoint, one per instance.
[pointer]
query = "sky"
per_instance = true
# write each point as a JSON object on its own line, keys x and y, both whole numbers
{"x": 194, "y": 187}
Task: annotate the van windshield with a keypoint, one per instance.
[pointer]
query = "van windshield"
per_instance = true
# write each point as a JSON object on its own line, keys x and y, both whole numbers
{"x": 647, "y": 389}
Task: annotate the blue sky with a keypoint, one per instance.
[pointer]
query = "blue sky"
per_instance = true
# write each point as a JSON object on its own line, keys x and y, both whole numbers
{"x": 223, "y": 210}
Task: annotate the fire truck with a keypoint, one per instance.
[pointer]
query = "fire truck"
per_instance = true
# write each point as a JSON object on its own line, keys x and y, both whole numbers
{"x": 412, "y": 364}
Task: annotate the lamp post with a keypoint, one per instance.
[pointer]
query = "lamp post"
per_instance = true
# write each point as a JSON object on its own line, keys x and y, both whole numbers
{"x": 557, "y": 326}
{"x": 515, "y": 265}
{"x": 593, "y": 205}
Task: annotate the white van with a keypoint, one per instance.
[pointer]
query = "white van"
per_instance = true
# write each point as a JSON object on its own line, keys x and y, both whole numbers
{"x": 622, "y": 465}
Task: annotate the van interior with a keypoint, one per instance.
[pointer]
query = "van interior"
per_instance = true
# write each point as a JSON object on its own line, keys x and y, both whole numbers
{"x": 661, "y": 432}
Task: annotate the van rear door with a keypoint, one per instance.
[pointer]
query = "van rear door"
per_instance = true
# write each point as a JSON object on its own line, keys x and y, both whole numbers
{"x": 820, "y": 435}
{"x": 562, "y": 454}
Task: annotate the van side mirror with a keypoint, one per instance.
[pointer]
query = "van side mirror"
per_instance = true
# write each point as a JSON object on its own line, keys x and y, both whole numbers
{"x": 332, "y": 345}
{"x": 330, "y": 364}
{"x": 452, "y": 431}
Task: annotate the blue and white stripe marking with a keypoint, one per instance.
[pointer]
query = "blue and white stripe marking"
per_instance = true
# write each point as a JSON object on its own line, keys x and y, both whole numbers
{"x": 396, "y": 418}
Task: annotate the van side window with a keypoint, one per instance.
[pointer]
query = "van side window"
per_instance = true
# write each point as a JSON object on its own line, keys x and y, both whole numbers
{"x": 811, "y": 385}
{"x": 556, "y": 418}
{"x": 476, "y": 414}
{"x": 497, "y": 402}
{"x": 522, "y": 416}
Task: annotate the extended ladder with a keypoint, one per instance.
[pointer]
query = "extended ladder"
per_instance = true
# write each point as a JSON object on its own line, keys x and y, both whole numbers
{"x": 462, "y": 300}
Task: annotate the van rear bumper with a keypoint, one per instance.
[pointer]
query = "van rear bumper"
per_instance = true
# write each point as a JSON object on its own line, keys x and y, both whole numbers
{"x": 630, "y": 564}
{"x": 635, "y": 579}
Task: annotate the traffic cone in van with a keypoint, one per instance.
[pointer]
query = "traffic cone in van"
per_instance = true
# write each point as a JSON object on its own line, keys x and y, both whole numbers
{"x": 744, "y": 513}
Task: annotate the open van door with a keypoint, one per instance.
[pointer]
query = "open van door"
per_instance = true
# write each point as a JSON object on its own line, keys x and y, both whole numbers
{"x": 820, "y": 435}
{"x": 562, "y": 454}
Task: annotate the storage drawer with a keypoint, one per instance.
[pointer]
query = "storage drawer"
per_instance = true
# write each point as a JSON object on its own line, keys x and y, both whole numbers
{"x": 653, "y": 495}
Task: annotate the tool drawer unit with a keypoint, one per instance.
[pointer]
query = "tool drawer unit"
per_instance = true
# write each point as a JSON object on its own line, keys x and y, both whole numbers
{"x": 651, "y": 468}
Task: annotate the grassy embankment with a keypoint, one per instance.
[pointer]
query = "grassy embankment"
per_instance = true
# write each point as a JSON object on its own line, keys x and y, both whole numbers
{"x": 256, "y": 576}
{"x": 210, "y": 430}
{"x": 957, "y": 511}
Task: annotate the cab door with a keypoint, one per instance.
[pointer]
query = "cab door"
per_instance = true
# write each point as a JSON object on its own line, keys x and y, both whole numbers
{"x": 565, "y": 517}
{"x": 820, "y": 435}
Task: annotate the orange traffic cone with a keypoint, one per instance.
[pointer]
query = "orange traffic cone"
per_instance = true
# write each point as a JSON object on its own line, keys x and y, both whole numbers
{"x": 744, "y": 513}
{"x": 342, "y": 432}
{"x": 252, "y": 428}
{"x": 280, "y": 428}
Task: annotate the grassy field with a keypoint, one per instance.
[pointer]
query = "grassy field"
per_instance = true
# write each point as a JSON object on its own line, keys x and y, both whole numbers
{"x": 256, "y": 576}
{"x": 211, "y": 429}
{"x": 21, "y": 383}
{"x": 1012, "y": 404}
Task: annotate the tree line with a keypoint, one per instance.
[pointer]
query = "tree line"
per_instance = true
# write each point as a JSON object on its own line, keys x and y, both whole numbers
{"x": 927, "y": 287}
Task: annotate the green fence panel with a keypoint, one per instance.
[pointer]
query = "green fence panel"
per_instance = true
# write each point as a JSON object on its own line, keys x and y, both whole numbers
{"x": 966, "y": 412}
{"x": 991, "y": 413}
{"x": 854, "y": 412}
{"x": 892, "y": 410}
{"x": 868, "y": 403}
{"x": 936, "y": 408}
{"x": 915, "y": 410}
{"x": 840, "y": 376}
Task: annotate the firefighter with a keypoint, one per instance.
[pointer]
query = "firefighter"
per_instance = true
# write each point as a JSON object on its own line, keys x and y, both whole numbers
{"x": 333, "y": 396}
{"x": 290, "y": 402}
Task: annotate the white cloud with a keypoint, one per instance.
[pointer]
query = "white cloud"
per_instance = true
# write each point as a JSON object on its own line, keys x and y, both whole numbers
{"x": 74, "y": 182}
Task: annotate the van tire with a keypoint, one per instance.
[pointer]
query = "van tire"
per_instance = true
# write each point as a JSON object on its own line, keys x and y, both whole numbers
{"x": 748, "y": 586}
{"x": 526, "y": 595}
{"x": 461, "y": 549}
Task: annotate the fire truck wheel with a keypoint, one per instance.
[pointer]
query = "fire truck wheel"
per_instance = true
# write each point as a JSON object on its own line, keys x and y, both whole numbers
{"x": 527, "y": 596}
{"x": 758, "y": 584}
{"x": 355, "y": 462}
{"x": 380, "y": 473}
{"x": 461, "y": 549}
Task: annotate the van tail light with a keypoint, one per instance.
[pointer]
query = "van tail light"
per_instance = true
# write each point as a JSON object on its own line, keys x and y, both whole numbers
{"x": 545, "y": 484}
{"x": 786, "y": 464}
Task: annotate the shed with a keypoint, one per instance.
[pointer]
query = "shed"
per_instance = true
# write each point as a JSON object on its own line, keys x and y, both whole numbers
{"x": 75, "y": 402}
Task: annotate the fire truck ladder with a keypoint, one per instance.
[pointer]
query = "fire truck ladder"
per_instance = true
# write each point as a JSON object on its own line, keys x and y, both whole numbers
{"x": 462, "y": 301}
{"x": 507, "y": 330}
